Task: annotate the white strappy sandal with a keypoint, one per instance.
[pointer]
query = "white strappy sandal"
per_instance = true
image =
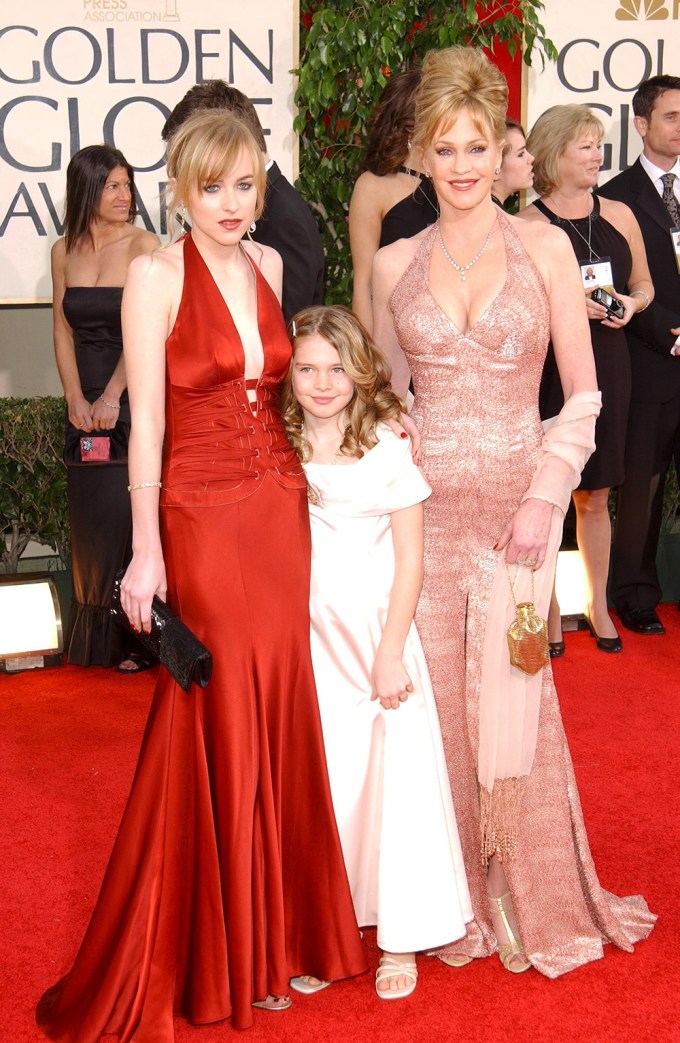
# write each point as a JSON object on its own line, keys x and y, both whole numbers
{"x": 391, "y": 967}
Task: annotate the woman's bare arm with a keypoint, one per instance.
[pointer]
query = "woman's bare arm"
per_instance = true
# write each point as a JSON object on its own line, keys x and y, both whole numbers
{"x": 365, "y": 226}
{"x": 388, "y": 266}
{"x": 104, "y": 411}
{"x": 152, "y": 285}
{"x": 79, "y": 409}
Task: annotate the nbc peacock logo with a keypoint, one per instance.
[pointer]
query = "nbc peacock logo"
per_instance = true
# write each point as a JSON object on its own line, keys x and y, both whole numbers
{"x": 642, "y": 10}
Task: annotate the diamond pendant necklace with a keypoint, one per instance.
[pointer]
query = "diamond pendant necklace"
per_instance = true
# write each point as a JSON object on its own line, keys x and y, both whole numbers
{"x": 463, "y": 268}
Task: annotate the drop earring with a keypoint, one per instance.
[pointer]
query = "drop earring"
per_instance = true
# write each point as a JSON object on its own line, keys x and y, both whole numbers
{"x": 252, "y": 228}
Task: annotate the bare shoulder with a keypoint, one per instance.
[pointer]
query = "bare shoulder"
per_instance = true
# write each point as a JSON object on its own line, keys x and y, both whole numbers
{"x": 261, "y": 253}
{"x": 367, "y": 184}
{"x": 267, "y": 259}
{"x": 548, "y": 247}
{"x": 538, "y": 234}
{"x": 143, "y": 242}
{"x": 58, "y": 252}
{"x": 532, "y": 213}
{"x": 374, "y": 189}
{"x": 395, "y": 258}
{"x": 618, "y": 214}
{"x": 58, "y": 257}
{"x": 160, "y": 268}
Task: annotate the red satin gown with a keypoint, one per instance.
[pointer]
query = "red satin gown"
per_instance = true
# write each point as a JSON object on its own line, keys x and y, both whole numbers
{"x": 227, "y": 876}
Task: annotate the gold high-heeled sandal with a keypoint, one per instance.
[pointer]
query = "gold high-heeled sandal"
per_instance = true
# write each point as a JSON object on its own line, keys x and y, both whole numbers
{"x": 513, "y": 948}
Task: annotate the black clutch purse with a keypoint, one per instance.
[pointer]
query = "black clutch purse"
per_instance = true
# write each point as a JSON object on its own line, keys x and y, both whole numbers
{"x": 169, "y": 641}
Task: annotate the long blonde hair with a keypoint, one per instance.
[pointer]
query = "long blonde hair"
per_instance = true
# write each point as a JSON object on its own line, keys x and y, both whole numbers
{"x": 205, "y": 147}
{"x": 365, "y": 365}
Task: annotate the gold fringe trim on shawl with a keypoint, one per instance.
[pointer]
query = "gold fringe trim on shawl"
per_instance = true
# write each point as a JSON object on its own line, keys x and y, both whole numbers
{"x": 499, "y": 818}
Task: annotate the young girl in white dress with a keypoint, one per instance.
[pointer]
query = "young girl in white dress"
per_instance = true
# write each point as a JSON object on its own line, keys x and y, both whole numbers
{"x": 389, "y": 782}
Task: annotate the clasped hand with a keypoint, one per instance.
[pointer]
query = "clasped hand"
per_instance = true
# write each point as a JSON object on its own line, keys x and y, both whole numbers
{"x": 80, "y": 413}
{"x": 598, "y": 312}
{"x": 91, "y": 417}
{"x": 104, "y": 418}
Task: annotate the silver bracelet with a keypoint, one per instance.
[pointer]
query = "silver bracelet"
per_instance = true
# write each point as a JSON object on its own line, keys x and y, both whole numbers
{"x": 144, "y": 485}
{"x": 642, "y": 293}
{"x": 109, "y": 405}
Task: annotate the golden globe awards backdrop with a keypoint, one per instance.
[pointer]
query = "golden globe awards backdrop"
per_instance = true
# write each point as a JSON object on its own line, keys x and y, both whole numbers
{"x": 79, "y": 72}
{"x": 606, "y": 48}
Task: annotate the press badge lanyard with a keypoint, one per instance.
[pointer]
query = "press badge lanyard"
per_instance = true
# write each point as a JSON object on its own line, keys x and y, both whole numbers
{"x": 596, "y": 271}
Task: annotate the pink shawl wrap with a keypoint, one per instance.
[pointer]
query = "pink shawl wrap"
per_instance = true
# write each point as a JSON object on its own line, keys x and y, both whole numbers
{"x": 509, "y": 701}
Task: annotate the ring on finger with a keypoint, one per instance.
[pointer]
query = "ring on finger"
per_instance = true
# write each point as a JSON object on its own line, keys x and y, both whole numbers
{"x": 531, "y": 562}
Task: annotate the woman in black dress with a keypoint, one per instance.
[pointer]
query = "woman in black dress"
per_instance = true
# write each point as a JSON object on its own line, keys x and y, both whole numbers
{"x": 566, "y": 144}
{"x": 392, "y": 198}
{"x": 89, "y": 266}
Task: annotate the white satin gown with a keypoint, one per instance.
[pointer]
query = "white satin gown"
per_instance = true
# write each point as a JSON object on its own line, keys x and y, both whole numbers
{"x": 389, "y": 781}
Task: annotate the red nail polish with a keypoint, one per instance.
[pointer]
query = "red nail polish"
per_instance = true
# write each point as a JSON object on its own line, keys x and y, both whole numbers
{"x": 403, "y": 435}
{"x": 495, "y": 547}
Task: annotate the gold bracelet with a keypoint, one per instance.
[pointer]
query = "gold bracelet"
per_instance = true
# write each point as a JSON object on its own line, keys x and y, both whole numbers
{"x": 642, "y": 293}
{"x": 144, "y": 485}
{"x": 109, "y": 405}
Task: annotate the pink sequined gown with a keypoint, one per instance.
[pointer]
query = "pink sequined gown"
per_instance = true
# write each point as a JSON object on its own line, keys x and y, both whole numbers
{"x": 477, "y": 409}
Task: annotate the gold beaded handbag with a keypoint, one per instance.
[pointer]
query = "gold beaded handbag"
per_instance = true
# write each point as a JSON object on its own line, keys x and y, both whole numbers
{"x": 527, "y": 634}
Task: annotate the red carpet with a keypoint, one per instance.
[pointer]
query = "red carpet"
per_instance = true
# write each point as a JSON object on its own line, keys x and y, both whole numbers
{"x": 69, "y": 740}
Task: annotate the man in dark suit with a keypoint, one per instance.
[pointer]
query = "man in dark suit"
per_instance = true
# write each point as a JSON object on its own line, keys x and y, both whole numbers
{"x": 286, "y": 222}
{"x": 651, "y": 188}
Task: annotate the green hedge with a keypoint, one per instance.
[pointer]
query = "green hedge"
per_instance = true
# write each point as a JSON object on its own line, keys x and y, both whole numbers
{"x": 33, "y": 504}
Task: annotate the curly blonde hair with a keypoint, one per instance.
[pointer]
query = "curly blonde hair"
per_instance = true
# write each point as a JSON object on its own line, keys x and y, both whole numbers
{"x": 457, "y": 79}
{"x": 373, "y": 400}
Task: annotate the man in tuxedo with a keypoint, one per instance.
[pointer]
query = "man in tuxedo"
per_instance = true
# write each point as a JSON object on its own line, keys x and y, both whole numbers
{"x": 651, "y": 188}
{"x": 286, "y": 222}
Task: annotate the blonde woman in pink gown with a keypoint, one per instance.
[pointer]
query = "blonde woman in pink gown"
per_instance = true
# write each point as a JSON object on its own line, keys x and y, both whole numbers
{"x": 466, "y": 310}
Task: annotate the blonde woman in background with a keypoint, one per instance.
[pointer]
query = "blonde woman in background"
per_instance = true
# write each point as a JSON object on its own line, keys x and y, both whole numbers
{"x": 566, "y": 142}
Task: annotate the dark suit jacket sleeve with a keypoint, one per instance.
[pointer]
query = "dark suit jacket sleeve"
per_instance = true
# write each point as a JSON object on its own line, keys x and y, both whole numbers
{"x": 653, "y": 326}
{"x": 288, "y": 225}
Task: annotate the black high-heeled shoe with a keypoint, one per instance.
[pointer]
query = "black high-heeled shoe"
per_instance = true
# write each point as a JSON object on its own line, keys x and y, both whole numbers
{"x": 556, "y": 649}
{"x": 605, "y": 644}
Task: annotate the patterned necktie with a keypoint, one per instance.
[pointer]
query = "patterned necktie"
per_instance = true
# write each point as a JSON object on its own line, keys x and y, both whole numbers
{"x": 669, "y": 200}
